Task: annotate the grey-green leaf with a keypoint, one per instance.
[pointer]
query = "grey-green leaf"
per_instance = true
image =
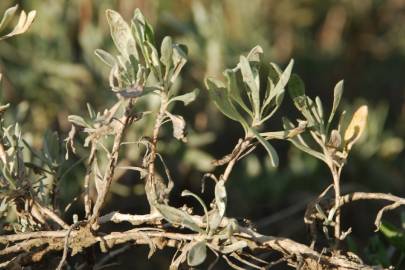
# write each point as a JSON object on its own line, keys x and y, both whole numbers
{"x": 220, "y": 197}
{"x": 178, "y": 217}
{"x": 337, "y": 96}
{"x": 249, "y": 78}
{"x": 186, "y": 98}
{"x": 106, "y": 57}
{"x": 255, "y": 54}
{"x": 8, "y": 16}
{"x": 197, "y": 254}
{"x": 166, "y": 51}
{"x": 270, "y": 150}
{"x": 77, "y": 120}
{"x": 220, "y": 96}
{"x": 121, "y": 34}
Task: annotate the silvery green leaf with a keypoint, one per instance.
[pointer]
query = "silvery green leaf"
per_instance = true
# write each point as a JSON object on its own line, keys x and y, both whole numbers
{"x": 179, "y": 58}
{"x": 121, "y": 34}
{"x": 255, "y": 54}
{"x": 204, "y": 206}
{"x": 166, "y": 52}
{"x": 220, "y": 197}
{"x": 7, "y": 17}
{"x": 220, "y": 96}
{"x": 178, "y": 217}
{"x": 78, "y": 120}
{"x": 319, "y": 107}
{"x": 270, "y": 150}
{"x": 279, "y": 87}
{"x": 197, "y": 254}
{"x": 239, "y": 245}
{"x": 106, "y": 57}
{"x": 178, "y": 126}
{"x": 234, "y": 89}
{"x": 298, "y": 142}
{"x": 186, "y": 98}
{"x": 337, "y": 96}
{"x": 249, "y": 77}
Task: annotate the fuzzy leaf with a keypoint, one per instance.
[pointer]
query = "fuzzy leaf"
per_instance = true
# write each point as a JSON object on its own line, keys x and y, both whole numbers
{"x": 250, "y": 79}
{"x": 106, "y": 57}
{"x": 178, "y": 126}
{"x": 270, "y": 150}
{"x": 186, "y": 98}
{"x": 337, "y": 96}
{"x": 121, "y": 34}
{"x": 178, "y": 217}
{"x": 255, "y": 54}
{"x": 220, "y": 96}
{"x": 78, "y": 120}
{"x": 166, "y": 51}
{"x": 220, "y": 197}
{"x": 197, "y": 254}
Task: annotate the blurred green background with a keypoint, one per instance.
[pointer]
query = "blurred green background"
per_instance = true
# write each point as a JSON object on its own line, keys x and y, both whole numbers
{"x": 51, "y": 72}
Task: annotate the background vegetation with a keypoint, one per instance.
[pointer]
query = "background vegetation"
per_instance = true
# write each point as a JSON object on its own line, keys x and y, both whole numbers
{"x": 51, "y": 72}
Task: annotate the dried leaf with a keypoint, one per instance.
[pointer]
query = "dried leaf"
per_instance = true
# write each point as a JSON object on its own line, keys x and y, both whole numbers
{"x": 356, "y": 127}
{"x": 178, "y": 126}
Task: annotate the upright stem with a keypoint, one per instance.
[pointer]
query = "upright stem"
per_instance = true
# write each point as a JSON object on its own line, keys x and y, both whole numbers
{"x": 112, "y": 163}
{"x": 336, "y": 186}
{"x": 150, "y": 185}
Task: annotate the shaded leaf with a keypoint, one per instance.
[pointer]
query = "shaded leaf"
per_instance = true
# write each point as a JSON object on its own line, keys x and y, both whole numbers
{"x": 8, "y": 16}
{"x": 166, "y": 51}
{"x": 270, "y": 150}
{"x": 178, "y": 217}
{"x": 197, "y": 254}
{"x": 250, "y": 79}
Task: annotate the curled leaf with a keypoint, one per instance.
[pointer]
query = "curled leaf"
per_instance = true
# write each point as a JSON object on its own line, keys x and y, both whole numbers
{"x": 356, "y": 127}
{"x": 178, "y": 126}
{"x": 24, "y": 22}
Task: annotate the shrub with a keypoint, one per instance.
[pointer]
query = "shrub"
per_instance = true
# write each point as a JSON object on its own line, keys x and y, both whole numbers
{"x": 250, "y": 95}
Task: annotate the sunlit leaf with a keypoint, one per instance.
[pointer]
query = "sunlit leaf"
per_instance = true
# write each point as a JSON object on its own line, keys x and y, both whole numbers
{"x": 178, "y": 126}
{"x": 250, "y": 79}
{"x": 178, "y": 217}
{"x": 121, "y": 34}
{"x": 186, "y": 98}
{"x": 337, "y": 96}
{"x": 356, "y": 127}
